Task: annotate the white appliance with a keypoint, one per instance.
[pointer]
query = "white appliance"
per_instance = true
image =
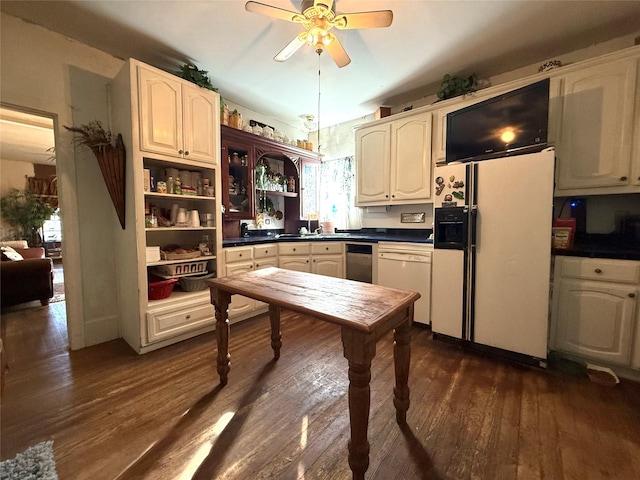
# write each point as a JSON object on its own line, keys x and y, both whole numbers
{"x": 492, "y": 252}
{"x": 407, "y": 266}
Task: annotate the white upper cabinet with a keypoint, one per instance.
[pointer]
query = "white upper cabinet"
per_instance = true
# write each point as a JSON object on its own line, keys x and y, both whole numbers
{"x": 176, "y": 119}
{"x": 393, "y": 161}
{"x": 373, "y": 159}
{"x": 595, "y": 148}
{"x": 411, "y": 158}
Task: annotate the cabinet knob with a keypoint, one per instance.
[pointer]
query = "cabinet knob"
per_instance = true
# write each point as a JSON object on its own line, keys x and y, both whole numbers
{"x": 188, "y": 317}
{"x": 632, "y": 295}
{"x": 597, "y": 270}
{"x": 314, "y": 260}
{"x": 180, "y": 152}
{"x": 393, "y": 196}
{"x": 186, "y": 152}
{"x": 326, "y": 248}
{"x": 257, "y": 265}
{"x": 307, "y": 261}
{"x": 294, "y": 249}
{"x": 622, "y": 179}
{"x": 239, "y": 254}
{"x": 386, "y": 196}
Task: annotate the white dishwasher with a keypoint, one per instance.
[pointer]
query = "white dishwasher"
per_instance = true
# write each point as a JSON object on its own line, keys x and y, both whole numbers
{"x": 407, "y": 266}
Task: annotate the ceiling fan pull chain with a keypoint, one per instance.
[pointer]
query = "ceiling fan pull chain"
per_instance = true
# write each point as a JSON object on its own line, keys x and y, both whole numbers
{"x": 319, "y": 103}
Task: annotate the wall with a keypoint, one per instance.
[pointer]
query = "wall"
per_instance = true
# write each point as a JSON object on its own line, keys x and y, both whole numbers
{"x": 39, "y": 72}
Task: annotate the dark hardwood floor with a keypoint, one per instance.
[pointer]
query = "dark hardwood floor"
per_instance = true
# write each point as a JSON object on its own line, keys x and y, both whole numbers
{"x": 114, "y": 414}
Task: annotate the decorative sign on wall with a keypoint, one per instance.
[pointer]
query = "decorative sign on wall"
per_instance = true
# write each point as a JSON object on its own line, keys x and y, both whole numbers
{"x": 412, "y": 217}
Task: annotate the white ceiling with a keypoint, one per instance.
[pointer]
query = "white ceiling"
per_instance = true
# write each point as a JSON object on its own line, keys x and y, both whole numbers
{"x": 26, "y": 137}
{"x": 389, "y": 66}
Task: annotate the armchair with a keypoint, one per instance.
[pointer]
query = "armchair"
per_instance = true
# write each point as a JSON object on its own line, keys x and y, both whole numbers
{"x": 26, "y": 280}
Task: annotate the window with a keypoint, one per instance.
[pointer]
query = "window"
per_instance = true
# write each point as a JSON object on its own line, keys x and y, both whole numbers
{"x": 337, "y": 193}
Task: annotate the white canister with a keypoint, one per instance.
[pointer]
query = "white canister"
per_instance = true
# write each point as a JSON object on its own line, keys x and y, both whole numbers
{"x": 181, "y": 219}
{"x": 194, "y": 218}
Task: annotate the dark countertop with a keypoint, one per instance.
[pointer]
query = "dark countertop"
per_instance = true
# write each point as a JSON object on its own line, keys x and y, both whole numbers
{"x": 364, "y": 235}
{"x": 601, "y": 246}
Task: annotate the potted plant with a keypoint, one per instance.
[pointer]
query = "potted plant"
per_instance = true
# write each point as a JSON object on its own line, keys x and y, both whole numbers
{"x": 26, "y": 213}
{"x": 195, "y": 75}
{"x": 109, "y": 151}
{"x": 453, "y": 86}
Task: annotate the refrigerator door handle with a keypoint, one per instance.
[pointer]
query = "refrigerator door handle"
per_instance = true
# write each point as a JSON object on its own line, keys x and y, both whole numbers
{"x": 473, "y": 226}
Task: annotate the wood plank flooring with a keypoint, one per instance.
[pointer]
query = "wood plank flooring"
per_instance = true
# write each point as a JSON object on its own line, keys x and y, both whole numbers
{"x": 115, "y": 415}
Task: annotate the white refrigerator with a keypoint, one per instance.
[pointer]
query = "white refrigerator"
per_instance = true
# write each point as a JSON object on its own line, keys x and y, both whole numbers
{"x": 493, "y": 288}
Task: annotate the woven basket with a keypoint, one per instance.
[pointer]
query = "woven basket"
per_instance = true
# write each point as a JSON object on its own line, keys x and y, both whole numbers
{"x": 179, "y": 256}
{"x": 194, "y": 283}
{"x": 160, "y": 288}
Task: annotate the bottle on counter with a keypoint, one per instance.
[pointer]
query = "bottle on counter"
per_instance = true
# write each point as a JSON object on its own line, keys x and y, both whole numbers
{"x": 177, "y": 186}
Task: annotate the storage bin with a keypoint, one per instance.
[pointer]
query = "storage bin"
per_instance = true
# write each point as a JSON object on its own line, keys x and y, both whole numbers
{"x": 160, "y": 288}
{"x": 194, "y": 283}
{"x": 179, "y": 269}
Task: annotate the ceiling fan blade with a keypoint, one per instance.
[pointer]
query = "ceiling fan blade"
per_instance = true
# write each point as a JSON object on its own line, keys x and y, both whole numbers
{"x": 274, "y": 12}
{"x": 338, "y": 53}
{"x": 379, "y": 19}
{"x": 291, "y": 48}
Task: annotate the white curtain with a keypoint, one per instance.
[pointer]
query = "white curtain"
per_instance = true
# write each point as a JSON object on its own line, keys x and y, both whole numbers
{"x": 337, "y": 194}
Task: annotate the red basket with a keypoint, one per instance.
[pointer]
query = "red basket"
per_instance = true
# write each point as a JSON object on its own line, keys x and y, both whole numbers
{"x": 160, "y": 288}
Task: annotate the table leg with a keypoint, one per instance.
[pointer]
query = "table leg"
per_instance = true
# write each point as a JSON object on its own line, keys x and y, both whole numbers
{"x": 359, "y": 349}
{"x": 401, "y": 360}
{"x": 221, "y": 301}
{"x": 276, "y": 338}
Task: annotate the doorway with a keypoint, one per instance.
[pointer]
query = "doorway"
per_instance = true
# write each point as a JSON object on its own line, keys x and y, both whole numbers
{"x": 28, "y": 163}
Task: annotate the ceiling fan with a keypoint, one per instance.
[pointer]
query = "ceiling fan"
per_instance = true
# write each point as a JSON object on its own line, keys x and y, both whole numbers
{"x": 318, "y": 19}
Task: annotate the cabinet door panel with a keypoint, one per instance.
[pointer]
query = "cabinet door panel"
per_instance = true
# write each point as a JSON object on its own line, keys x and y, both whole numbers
{"x": 160, "y": 113}
{"x": 239, "y": 304}
{"x": 297, "y": 263}
{"x": 594, "y": 149}
{"x": 372, "y": 163}
{"x": 198, "y": 121}
{"x": 329, "y": 265}
{"x": 411, "y": 158}
{"x": 175, "y": 321}
{"x": 595, "y": 320}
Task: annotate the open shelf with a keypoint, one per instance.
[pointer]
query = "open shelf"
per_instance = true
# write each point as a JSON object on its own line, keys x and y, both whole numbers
{"x": 277, "y": 194}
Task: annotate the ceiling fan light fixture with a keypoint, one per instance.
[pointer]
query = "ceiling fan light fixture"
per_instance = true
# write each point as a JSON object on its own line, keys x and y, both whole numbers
{"x": 310, "y": 123}
{"x": 327, "y": 38}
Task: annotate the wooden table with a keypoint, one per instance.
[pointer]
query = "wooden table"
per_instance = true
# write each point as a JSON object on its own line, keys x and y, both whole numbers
{"x": 365, "y": 312}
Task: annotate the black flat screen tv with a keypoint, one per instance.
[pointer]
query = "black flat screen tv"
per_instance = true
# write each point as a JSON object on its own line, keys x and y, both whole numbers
{"x": 513, "y": 123}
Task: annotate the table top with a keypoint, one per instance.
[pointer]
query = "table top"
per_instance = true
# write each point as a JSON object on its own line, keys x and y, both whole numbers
{"x": 361, "y": 306}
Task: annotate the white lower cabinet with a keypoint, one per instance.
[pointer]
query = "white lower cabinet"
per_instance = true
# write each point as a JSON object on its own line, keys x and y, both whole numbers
{"x": 595, "y": 309}
{"x": 327, "y": 258}
{"x": 247, "y": 259}
{"x": 175, "y": 319}
{"x": 295, "y": 256}
{"x": 323, "y": 258}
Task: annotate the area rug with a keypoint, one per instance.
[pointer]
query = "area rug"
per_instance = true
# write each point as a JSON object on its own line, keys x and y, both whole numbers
{"x": 35, "y": 463}
{"x": 58, "y": 293}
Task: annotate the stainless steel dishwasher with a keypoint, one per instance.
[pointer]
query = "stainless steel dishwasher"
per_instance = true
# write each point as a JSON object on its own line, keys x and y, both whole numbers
{"x": 359, "y": 262}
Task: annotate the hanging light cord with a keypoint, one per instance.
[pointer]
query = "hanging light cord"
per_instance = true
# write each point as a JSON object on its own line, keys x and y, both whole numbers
{"x": 319, "y": 102}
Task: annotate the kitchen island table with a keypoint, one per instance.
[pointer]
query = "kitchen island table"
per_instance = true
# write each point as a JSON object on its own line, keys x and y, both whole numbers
{"x": 365, "y": 313}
